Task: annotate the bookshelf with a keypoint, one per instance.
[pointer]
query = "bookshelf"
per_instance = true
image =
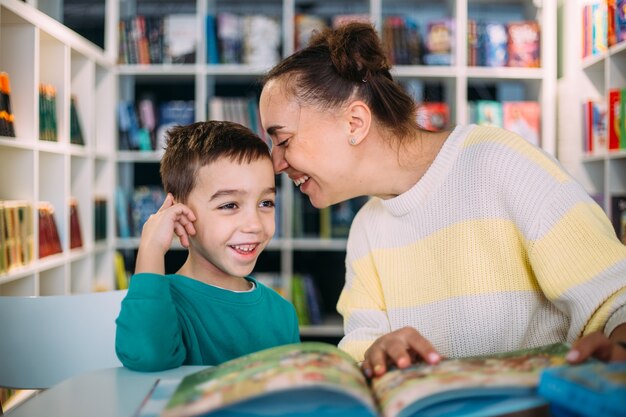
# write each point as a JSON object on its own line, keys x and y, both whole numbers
{"x": 454, "y": 84}
{"x": 602, "y": 172}
{"x": 34, "y": 50}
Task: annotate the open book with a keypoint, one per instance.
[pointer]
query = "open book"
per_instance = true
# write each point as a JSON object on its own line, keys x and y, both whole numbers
{"x": 317, "y": 379}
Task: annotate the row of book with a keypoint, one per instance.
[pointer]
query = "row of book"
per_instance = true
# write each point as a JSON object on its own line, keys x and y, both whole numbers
{"x": 521, "y": 117}
{"x": 305, "y": 295}
{"x": 327, "y": 223}
{"x": 512, "y": 44}
{"x": 48, "y": 116}
{"x": 143, "y": 125}
{"x": 158, "y": 40}
{"x": 604, "y": 123}
{"x": 7, "y": 125}
{"x": 603, "y": 25}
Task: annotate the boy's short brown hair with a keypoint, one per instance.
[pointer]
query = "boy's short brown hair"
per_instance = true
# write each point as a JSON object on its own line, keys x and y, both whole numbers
{"x": 190, "y": 147}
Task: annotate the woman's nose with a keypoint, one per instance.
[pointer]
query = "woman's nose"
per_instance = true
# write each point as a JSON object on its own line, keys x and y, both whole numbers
{"x": 278, "y": 159}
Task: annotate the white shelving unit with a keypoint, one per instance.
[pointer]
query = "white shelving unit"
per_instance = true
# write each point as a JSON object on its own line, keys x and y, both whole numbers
{"x": 36, "y": 49}
{"x": 602, "y": 173}
{"x": 537, "y": 84}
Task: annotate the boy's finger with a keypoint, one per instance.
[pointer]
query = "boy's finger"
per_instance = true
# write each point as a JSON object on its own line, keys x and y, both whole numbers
{"x": 168, "y": 202}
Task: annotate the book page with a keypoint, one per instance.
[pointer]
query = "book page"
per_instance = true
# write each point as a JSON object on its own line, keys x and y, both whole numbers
{"x": 401, "y": 388}
{"x": 283, "y": 368}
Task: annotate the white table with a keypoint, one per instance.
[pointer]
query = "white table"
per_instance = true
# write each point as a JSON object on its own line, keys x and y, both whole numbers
{"x": 113, "y": 392}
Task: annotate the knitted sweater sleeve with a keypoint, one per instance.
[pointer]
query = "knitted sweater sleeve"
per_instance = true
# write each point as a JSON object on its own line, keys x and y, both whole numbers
{"x": 148, "y": 336}
{"x": 361, "y": 302}
{"x": 579, "y": 263}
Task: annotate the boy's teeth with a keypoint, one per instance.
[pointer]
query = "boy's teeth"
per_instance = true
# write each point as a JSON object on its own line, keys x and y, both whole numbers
{"x": 301, "y": 180}
{"x": 244, "y": 248}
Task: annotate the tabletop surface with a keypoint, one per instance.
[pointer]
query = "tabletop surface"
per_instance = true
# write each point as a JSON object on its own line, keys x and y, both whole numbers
{"x": 112, "y": 392}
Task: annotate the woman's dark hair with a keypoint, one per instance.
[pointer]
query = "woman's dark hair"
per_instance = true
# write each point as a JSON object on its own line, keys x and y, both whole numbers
{"x": 343, "y": 63}
{"x": 193, "y": 146}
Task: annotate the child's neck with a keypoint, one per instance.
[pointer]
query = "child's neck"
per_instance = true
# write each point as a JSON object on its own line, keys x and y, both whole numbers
{"x": 215, "y": 278}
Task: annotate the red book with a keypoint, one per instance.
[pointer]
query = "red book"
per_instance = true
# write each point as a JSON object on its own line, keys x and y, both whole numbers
{"x": 614, "y": 118}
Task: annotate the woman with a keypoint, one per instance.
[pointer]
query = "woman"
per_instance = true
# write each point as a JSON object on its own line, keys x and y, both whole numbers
{"x": 474, "y": 241}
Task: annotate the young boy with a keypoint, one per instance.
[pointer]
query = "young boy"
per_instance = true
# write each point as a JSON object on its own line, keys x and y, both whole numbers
{"x": 220, "y": 203}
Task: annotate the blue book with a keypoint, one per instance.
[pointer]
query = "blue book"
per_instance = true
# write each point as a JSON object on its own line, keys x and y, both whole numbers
{"x": 587, "y": 390}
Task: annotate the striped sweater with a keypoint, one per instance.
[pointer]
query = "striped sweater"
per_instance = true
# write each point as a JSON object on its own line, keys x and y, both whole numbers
{"x": 496, "y": 248}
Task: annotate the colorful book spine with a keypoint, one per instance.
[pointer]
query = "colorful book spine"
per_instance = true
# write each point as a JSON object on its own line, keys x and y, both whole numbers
{"x": 614, "y": 122}
{"x": 7, "y": 127}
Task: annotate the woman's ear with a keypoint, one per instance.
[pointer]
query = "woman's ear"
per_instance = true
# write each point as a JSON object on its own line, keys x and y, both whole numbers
{"x": 359, "y": 117}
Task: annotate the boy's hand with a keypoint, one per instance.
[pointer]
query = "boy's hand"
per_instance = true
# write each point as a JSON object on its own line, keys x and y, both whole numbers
{"x": 400, "y": 348}
{"x": 159, "y": 230}
{"x": 596, "y": 345}
{"x": 172, "y": 218}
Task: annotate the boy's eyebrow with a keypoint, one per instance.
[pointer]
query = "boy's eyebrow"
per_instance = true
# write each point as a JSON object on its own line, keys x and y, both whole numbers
{"x": 222, "y": 193}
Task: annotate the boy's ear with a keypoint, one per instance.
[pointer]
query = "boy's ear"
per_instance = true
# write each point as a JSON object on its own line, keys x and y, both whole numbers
{"x": 359, "y": 117}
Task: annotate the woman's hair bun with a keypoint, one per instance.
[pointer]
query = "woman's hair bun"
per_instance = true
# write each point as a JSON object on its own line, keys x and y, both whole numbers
{"x": 355, "y": 50}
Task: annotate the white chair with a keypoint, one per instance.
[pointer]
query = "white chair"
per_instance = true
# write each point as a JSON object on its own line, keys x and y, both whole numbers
{"x": 44, "y": 340}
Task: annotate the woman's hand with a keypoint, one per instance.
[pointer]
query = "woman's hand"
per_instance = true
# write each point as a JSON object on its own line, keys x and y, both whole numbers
{"x": 596, "y": 345}
{"x": 400, "y": 348}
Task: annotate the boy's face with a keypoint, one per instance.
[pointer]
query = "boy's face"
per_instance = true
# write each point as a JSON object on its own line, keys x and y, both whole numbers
{"x": 234, "y": 206}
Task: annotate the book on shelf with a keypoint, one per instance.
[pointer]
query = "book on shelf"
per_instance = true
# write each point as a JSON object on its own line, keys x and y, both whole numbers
{"x": 616, "y": 113}
{"x": 402, "y": 40}
{"x": 486, "y": 112}
{"x": 523, "y": 118}
{"x": 145, "y": 201}
{"x": 587, "y": 390}
{"x": 49, "y": 240}
{"x": 594, "y": 28}
{"x": 76, "y": 129}
{"x": 261, "y": 40}
{"x": 47, "y": 113}
{"x": 595, "y": 140}
{"x": 307, "y": 24}
{"x": 122, "y": 276}
{"x": 493, "y": 44}
{"x": 229, "y": 38}
{"x": 212, "y": 49}
{"x": 439, "y": 42}
{"x": 180, "y": 38}
{"x": 100, "y": 218}
{"x": 76, "y": 235}
{"x": 306, "y": 299}
{"x": 433, "y": 116}
{"x": 523, "y": 44}
{"x": 173, "y": 113}
{"x": 16, "y": 234}
{"x": 318, "y": 379}
{"x": 7, "y": 125}
{"x": 620, "y": 21}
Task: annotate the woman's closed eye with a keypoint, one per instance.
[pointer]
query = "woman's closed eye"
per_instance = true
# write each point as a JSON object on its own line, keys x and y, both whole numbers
{"x": 283, "y": 143}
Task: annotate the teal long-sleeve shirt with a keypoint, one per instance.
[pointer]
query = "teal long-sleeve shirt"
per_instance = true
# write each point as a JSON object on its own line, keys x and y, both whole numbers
{"x": 171, "y": 320}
